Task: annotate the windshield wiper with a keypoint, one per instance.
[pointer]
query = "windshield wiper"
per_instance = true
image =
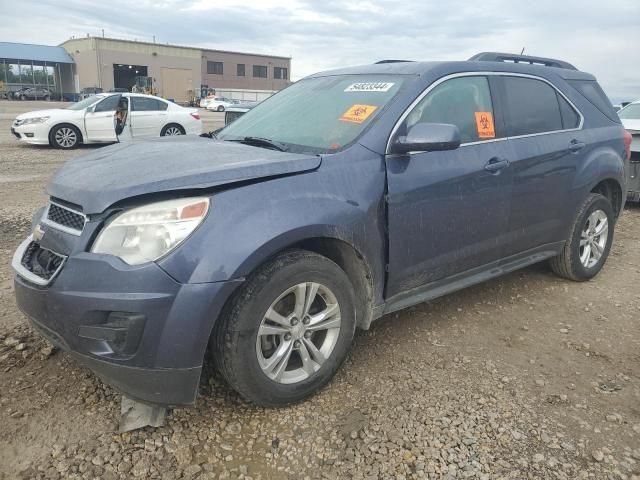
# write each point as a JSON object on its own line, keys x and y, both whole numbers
{"x": 262, "y": 142}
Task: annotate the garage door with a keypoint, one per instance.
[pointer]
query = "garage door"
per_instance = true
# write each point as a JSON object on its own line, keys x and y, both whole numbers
{"x": 176, "y": 83}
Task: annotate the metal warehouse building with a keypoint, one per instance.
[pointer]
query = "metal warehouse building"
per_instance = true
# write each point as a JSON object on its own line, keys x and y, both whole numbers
{"x": 24, "y": 65}
{"x": 170, "y": 71}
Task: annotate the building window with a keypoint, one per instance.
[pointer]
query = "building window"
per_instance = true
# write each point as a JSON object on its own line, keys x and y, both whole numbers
{"x": 240, "y": 70}
{"x": 215, "y": 68}
{"x": 260, "y": 71}
{"x": 280, "y": 73}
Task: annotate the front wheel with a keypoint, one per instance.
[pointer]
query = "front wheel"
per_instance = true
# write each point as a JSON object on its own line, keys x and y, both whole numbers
{"x": 65, "y": 137}
{"x": 220, "y": 108}
{"x": 287, "y": 331}
{"x": 589, "y": 242}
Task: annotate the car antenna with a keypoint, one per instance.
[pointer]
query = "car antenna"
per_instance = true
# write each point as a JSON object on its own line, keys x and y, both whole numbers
{"x": 522, "y": 50}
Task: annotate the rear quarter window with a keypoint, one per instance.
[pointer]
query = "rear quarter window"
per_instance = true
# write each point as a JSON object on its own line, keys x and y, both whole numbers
{"x": 570, "y": 118}
{"x": 592, "y": 92}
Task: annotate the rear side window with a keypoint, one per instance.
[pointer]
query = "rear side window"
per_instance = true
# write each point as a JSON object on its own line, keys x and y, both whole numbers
{"x": 144, "y": 104}
{"x": 592, "y": 92}
{"x": 532, "y": 106}
{"x": 464, "y": 102}
{"x": 570, "y": 118}
{"x": 109, "y": 104}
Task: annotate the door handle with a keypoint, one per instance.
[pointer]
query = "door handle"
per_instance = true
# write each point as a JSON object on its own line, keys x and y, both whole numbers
{"x": 496, "y": 164}
{"x": 576, "y": 145}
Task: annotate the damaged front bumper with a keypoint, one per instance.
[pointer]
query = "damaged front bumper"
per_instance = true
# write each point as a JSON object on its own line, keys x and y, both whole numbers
{"x": 137, "y": 328}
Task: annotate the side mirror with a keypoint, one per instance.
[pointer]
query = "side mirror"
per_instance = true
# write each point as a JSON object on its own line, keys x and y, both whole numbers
{"x": 428, "y": 137}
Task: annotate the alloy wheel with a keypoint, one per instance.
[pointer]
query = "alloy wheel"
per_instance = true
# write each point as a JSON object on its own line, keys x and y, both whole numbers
{"x": 66, "y": 137}
{"x": 593, "y": 239}
{"x": 298, "y": 333}
{"x": 172, "y": 131}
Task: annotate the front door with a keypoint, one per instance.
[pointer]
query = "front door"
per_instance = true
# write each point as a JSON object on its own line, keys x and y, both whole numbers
{"x": 448, "y": 211}
{"x": 99, "y": 120}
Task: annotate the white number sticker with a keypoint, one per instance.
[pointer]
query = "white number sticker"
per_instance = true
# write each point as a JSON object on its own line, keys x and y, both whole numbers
{"x": 369, "y": 87}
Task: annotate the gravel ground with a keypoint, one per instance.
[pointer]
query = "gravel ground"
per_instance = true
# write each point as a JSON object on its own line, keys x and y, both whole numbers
{"x": 526, "y": 376}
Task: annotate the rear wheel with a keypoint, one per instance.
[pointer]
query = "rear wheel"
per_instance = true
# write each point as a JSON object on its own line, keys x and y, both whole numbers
{"x": 171, "y": 130}
{"x": 589, "y": 243}
{"x": 287, "y": 331}
{"x": 65, "y": 137}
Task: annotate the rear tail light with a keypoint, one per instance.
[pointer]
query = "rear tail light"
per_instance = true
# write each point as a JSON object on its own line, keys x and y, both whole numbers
{"x": 195, "y": 115}
{"x": 628, "y": 138}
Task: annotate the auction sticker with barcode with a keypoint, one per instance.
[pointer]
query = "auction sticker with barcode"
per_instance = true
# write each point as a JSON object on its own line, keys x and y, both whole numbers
{"x": 369, "y": 87}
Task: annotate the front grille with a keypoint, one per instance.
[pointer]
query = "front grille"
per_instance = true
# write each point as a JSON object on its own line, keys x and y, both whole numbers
{"x": 41, "y": 262}
{"x": 65, "y": 217}
{"x": 15, "y": 133}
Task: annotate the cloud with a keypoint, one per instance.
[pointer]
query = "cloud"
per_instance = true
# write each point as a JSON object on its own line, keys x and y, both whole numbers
{"x": 598, "y": 37}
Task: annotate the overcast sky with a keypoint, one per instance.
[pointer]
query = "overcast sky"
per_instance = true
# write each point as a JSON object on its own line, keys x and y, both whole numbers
{"x": 598, "y": 36}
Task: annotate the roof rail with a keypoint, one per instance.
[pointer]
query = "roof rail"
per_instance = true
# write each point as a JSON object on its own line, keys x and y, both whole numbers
{"x": 391, "y": 61}
{"x": 514, "y": 58}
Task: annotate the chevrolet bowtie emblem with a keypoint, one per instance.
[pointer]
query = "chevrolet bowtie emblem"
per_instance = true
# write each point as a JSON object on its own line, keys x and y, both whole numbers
{"x": 38, "y": 233}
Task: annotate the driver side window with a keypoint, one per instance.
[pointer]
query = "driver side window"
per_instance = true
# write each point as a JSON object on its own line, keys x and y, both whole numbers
{"x": 109, "y": 104}
{"x": 464, "y": 102}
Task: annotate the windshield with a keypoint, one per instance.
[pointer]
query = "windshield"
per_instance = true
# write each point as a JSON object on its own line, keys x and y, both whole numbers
{"x": 631, "y": 111}
{"x": 82, "y": 104}
{"x": 318, "y": 115}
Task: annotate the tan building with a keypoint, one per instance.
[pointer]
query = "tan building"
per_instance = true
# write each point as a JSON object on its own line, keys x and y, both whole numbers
{"x": 173, "y": 71}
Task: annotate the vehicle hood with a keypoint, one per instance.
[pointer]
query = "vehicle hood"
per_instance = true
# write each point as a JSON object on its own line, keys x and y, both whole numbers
{"x": 631, "y": 124}
{"x": 54, "y": 112}
{"x": 111, "y": 174}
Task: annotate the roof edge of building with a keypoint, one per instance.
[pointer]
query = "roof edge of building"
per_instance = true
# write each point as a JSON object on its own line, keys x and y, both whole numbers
{"x": 201, "y": 49}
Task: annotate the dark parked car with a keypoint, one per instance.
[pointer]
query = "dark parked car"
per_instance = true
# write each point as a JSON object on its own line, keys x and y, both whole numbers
{"x": 32, "y": 93}
{"x": 234, "y": 112}
{"x": 346, "y": 196}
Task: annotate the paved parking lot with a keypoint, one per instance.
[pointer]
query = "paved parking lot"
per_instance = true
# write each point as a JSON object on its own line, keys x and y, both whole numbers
{"x": 527, "y": 376}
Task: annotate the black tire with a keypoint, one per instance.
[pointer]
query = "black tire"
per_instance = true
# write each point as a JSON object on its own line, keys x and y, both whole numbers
{"x": 55, "y": 142}
{"x": 167, "y": 128}
{"x": 236, "y": 333}
{"x": 220, "y": 108}
{"x": 568, "y": 264}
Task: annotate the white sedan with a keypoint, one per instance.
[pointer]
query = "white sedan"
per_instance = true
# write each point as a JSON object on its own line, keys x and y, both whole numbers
{"x": 107, "y": 118}
{"x": 218, "y": 104}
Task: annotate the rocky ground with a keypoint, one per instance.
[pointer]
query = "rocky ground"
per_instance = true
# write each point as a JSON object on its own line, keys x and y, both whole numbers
{"x": 526, "y": 376}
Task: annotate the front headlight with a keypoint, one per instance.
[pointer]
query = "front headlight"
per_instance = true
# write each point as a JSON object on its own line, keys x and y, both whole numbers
{"x": 28, "y": 121}
{"x": 146, "y": 233}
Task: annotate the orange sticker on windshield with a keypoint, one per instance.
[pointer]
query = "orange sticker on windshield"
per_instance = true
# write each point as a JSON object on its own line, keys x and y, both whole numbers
{"x": 358, "y": 113}
{"x": 484, "y": 125}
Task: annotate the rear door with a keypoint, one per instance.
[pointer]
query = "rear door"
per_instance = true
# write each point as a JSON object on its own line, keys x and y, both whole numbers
{"x": 147, "y": 116}
{"x": 548, "y": 145}
{"x": 448, "y": 211}
{"x": 99, "y": 121}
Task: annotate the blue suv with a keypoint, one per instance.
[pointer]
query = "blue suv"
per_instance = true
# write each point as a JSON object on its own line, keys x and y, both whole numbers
{"x": 351, "y": 194}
